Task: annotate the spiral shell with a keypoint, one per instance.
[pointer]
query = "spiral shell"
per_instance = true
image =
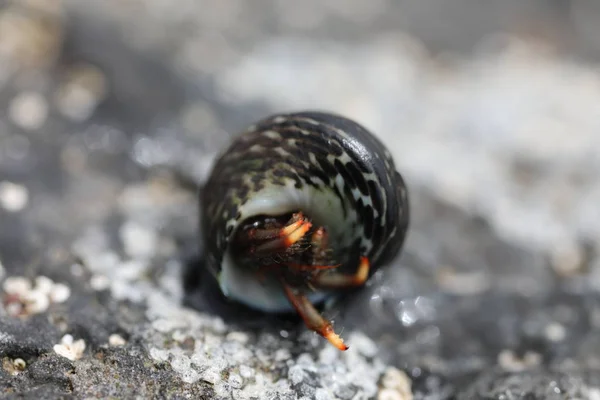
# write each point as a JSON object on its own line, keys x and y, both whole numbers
{"x": 326, "y": 165}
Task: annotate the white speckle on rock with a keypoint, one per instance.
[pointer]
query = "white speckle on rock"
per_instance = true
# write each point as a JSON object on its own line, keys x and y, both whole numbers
{"x": 28, "y": 110}
{"x": 93, "y": 248}
{"x": 396, "y": 385}
{"x": 389, "y": 394}
{"x": 170, "y": 281}
{"x": 60, "y": 293}
{"x": 211, "y": 375}
{"x": 219, "y": 363}
{"x": 328, "y": 355}
{"x": 99, "y": 282}
{"x": 35, "y": 302}
{"x": 179, "y": 336}
{"x": 305, "y": 359}
{"x": 128, "y": 281}
{"x": 221, "y": 390}
{"x": 363, "y": 344}
{"x": 159, "y": 355}
{"x": 567, "y": 259}
{"x": 190, "y": 376}
{"x": 5, "y": 337}
{"x": 323, "y": 394}
{"x": 13, "y": 197}
{"x": 132, "y": 270}
{"x": 166, "y": 325}
{"x": 102, "y": 261}
{"x": 217, "y": 325}
{"x": 282, "y": 355}
{"x": 594, "y": 393}
{"x": 44, "y": 285}
{"x": 555, "y": 332}
{"x": 116, "y": 340}
{"x": 69, "y": 348}
{"x": 257, "y": 389}
{"x": 199, "y": 359}
{"x": 246, "y": 371}
{"x": 296, "y": 374}
{"x": 17, "y": 285}
{"x": 463, "y": 283}
{"x": 181, "y": 363}
{"x": 235, "y": 381}
{"x": 122, "y": 290}
{"x": 240, "y": 337}
{"x": 510, "y": 362}
{"x": 238, "y": 394}
{"x": 138, "y": 241}
{"x": 79, "y": 95}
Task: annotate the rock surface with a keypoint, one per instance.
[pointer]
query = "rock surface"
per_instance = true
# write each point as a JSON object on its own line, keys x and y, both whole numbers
{"x": 114, "y": 113}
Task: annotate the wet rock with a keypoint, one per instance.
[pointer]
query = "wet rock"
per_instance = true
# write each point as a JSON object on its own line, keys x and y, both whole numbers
{"x": 103, "y": 153}
{"x": 533, "y": 384}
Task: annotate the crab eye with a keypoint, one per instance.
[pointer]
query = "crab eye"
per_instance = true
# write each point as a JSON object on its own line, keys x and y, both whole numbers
{"x": 301, "y": 207}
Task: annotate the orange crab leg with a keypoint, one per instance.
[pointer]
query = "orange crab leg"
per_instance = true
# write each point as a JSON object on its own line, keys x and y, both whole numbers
{"x": 263, "y": 234}
{"x": 286, "y": 238}
{"x": 312, "y": 318}
{"x": 337, "y": 280}
{"x": 297, "y": 221}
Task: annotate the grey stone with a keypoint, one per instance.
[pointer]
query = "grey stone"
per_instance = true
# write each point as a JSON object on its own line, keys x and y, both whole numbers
{"x": 494, "y": 297}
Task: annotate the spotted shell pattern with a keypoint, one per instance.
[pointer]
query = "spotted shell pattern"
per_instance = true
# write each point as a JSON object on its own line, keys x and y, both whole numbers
{"x": 324, "y": 156}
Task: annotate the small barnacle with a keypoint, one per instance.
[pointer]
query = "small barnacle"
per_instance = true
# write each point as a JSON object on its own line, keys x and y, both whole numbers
{"x": 13, "y": 366}
{"x": 299, "y": 208}
{"x": 19, "y": 364}
{"x": 70, "y": 348}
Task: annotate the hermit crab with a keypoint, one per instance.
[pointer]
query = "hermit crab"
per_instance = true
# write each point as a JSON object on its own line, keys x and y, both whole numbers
{"x": 298, "y": 208}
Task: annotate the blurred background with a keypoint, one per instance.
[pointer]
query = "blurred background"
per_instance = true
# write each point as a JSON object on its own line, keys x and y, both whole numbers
{"x": 465, "y": 92}
{"x": 490, "y": 108}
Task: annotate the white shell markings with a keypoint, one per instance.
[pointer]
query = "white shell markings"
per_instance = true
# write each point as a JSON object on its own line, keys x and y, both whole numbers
{"x": 282, "y": 152}
{"x": 272, "y": 135}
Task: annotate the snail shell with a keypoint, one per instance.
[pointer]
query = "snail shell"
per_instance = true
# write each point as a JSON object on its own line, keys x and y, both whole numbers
{"x": 325, "y": 165}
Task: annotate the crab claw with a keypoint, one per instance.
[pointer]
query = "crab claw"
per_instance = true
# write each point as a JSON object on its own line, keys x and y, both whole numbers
{"x": 335, "y": 280}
